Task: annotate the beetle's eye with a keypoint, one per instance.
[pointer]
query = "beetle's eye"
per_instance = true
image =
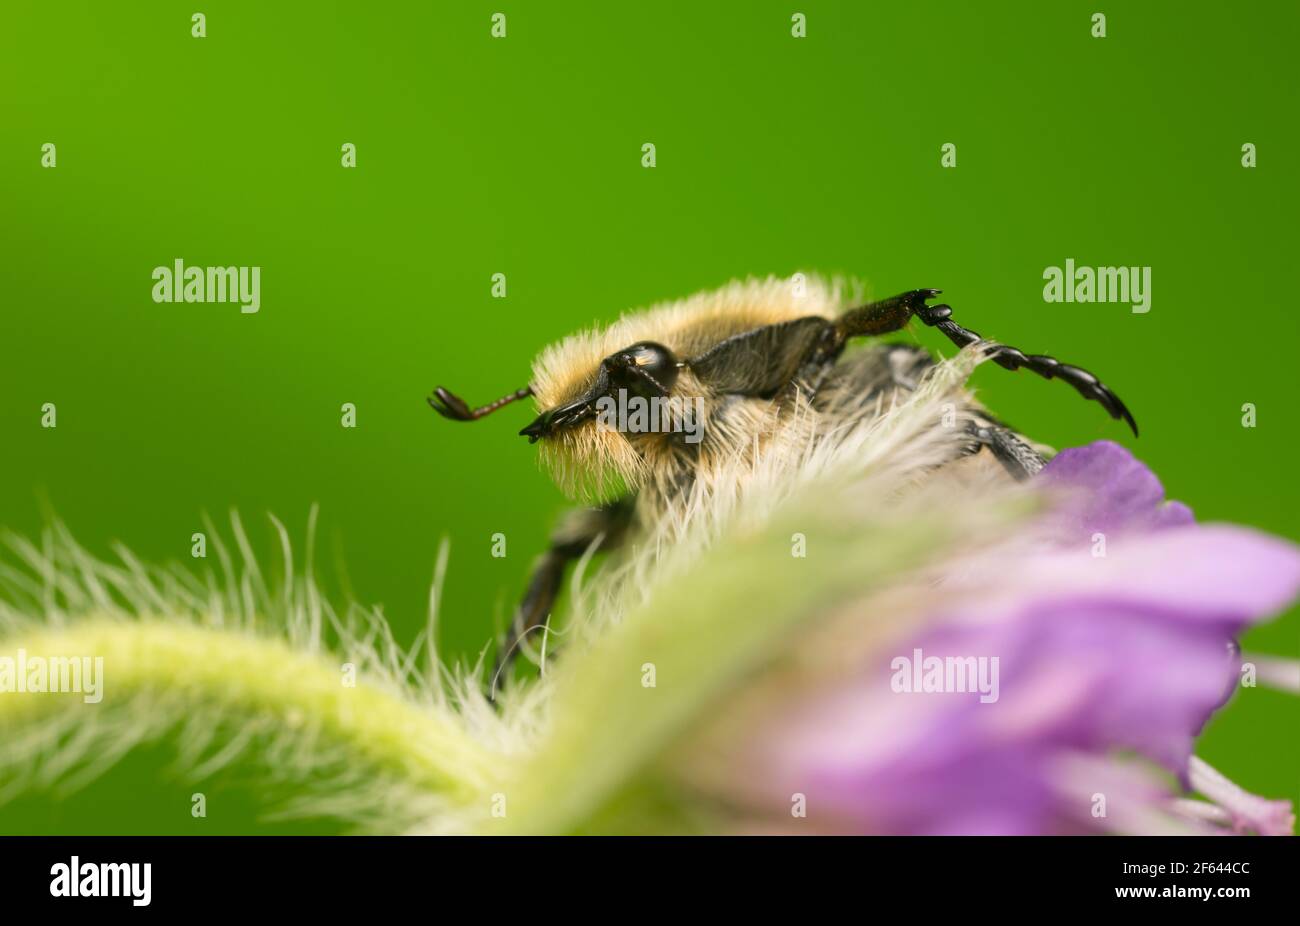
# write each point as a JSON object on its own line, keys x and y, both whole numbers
{"x": 645, "y": 368}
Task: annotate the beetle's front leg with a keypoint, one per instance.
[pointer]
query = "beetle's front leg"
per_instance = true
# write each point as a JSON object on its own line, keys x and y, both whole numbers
{"x": 892, "y": 314}
{"x": 580, "y": 530}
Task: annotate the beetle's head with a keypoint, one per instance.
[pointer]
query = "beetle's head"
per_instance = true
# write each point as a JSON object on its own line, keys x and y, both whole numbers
{"x": 583, "y": 425}
{"x": 646, "y": 370}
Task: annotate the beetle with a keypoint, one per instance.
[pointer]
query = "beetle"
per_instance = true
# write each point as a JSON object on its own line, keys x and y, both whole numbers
{"x": 755, "y": 356}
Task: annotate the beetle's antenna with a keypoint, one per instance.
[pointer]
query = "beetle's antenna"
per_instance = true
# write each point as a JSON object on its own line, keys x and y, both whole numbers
{"x": 452, "y": 406}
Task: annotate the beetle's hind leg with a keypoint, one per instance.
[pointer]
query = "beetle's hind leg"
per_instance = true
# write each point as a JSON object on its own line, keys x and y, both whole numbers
{"x": 892, "y": 314}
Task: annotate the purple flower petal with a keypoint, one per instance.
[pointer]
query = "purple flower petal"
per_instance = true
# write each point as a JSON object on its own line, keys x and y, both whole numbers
{"x": 1111, "y": 491}
{"x": 1125, "y": 652}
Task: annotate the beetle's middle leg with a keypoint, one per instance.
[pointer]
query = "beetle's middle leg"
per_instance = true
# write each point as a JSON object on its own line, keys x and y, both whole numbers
{"x": 1020, "y": 460}
{"x": 580, "y": 530}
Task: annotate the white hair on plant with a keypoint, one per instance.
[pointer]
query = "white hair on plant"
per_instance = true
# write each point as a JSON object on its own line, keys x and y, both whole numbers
{"x": 225, "y": 665}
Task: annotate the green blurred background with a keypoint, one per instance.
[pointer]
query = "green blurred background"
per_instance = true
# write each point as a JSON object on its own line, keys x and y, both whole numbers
{"x": 523, "y": 156}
